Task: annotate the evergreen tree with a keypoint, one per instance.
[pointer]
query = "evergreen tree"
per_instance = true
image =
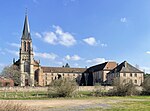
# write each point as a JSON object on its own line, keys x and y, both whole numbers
{"x": 67, "y": 65}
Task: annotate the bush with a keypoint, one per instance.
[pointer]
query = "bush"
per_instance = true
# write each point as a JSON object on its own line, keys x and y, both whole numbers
{"x": 1, "y": 84}
{"x": 99, "y": 91}
{"x": 12, "y": 106}
{"x": 123, "y": 89}
{"x": 62, "y": 88}
{"x": 146, "y": 86}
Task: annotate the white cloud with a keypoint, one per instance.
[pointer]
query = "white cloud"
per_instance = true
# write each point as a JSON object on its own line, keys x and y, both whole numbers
{"x": 148, "y": 52}
{"x": 38, "y": 35}
{"x": 103, "y": 45}
{"x": 50, "y": 37}
{"x": 90, "y": 41}
{"x": 67, "y": 57}
{"x": 16, "y": 53}
{"x": 57, "y": 37}
{"x": 76, "y": 57}
{"x": 50, "y": 56}
{"x": 64, "y": 38}
{"x": 96, "y": 61}
{"x": 14, "y": 45}
{"x": 73, "y": 58}
{"x": 123, "y": 19}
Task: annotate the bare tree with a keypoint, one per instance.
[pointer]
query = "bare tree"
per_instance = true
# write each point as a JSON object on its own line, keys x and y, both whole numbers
{"x": 12, "y": 72}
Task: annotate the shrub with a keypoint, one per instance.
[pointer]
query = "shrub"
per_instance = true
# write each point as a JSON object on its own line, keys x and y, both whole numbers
{"x": 123, "y": 89}
{"x": 1, "y": 84}
{"x": 146, "y": 86}
{"x": 12, "y": 106}
{"x": 62, "y": 88}
{"x": 99, "y": 91}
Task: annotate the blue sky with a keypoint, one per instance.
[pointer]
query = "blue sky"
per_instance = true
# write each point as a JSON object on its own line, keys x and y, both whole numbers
{"x": 80, "y": 32}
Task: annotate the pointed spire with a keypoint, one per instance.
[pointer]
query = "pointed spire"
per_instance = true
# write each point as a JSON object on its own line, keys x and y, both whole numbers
{"x": 26, "y": 29}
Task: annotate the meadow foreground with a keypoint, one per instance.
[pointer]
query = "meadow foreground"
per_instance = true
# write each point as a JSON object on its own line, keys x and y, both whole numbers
{"x": 137, "y": 103}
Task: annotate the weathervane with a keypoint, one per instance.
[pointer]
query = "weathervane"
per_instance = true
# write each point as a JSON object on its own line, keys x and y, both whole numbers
{"x": 26, "y": 11}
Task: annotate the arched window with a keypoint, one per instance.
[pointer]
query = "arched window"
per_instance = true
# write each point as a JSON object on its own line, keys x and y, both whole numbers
{"x": 24, "y": 46}
{"x": 28, "y": 46}
{"x": 26, "y": 67}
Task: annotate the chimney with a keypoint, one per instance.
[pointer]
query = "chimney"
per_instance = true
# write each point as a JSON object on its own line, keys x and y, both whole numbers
{"x": 125, "y": 63}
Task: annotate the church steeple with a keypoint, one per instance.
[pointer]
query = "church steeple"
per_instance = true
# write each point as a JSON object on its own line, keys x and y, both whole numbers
{"x": 26, "y": 56}
{"x": 26, "y": 29}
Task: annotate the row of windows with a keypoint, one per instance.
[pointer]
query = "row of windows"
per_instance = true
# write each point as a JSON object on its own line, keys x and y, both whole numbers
{"x": 135, "y": 81}
{"x": 62, "y": 74}
{"x": 131, "y": 75}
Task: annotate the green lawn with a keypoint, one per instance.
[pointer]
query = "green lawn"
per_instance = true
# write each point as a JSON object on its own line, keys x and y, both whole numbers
{"x": 135, "y": 103}
{"x": 23, "y": 95}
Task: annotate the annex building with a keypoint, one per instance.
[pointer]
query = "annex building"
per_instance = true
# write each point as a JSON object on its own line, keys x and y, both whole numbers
{"x": 33, "y": 74}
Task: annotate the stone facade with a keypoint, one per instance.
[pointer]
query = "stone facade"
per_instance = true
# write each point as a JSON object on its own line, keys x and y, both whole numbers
{"x": 100, "y": 71}
{"x": 125, "y": 73}
{"x": 33, "y": 74}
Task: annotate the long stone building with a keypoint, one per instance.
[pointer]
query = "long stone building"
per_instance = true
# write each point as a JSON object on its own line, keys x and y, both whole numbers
{"x": 33, "y": 74}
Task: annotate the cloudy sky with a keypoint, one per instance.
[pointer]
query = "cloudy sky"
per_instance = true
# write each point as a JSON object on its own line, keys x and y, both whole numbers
{"x": 79, "y": 32}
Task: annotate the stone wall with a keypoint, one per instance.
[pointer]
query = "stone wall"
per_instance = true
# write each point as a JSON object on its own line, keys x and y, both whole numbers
{"x": 29, "y": 89}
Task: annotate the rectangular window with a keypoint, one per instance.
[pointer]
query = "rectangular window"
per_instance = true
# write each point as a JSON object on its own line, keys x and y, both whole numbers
{"x": 124, "y": 74}
{"x": 135, "y": 74}
{"x": 135, "y": 81}
{"x": 130, "y": 74}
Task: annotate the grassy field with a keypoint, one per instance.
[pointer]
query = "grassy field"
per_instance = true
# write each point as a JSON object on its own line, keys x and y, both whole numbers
{"x": 135, "y": 103}
{"x": 86, "y": 101}
{"x": 23, "y": 95}
{"x": 19, "y": 95}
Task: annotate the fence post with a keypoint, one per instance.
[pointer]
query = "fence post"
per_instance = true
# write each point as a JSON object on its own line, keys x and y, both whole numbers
{"x": 5, "y": 94}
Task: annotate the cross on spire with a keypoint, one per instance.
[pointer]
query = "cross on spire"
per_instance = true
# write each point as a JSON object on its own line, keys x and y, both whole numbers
{"x": 26, "y": 29}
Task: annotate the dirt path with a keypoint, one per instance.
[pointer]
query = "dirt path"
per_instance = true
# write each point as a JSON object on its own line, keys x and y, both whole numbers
{"x": 69, "y": 104}
{"x": 65, "y": 105}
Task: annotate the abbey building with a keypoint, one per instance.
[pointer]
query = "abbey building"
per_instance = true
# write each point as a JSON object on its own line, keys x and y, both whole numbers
{"x": 33, "y": 74}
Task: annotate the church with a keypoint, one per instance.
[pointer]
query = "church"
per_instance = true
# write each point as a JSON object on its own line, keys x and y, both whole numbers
{"x": 33, "y": 74}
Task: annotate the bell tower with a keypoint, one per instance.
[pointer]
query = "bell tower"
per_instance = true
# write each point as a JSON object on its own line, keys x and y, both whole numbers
{"x": 26, "y": 56}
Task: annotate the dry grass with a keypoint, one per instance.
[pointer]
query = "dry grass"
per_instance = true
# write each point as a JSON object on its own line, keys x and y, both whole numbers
{"x": 12, "y": 106}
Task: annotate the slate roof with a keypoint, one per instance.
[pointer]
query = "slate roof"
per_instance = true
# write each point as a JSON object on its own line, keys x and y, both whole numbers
{"x": 103, "y": 66}
{"x": 63, "y": 70}
{"x": 125, "y": 67}
{"x": 26, "y": 29}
